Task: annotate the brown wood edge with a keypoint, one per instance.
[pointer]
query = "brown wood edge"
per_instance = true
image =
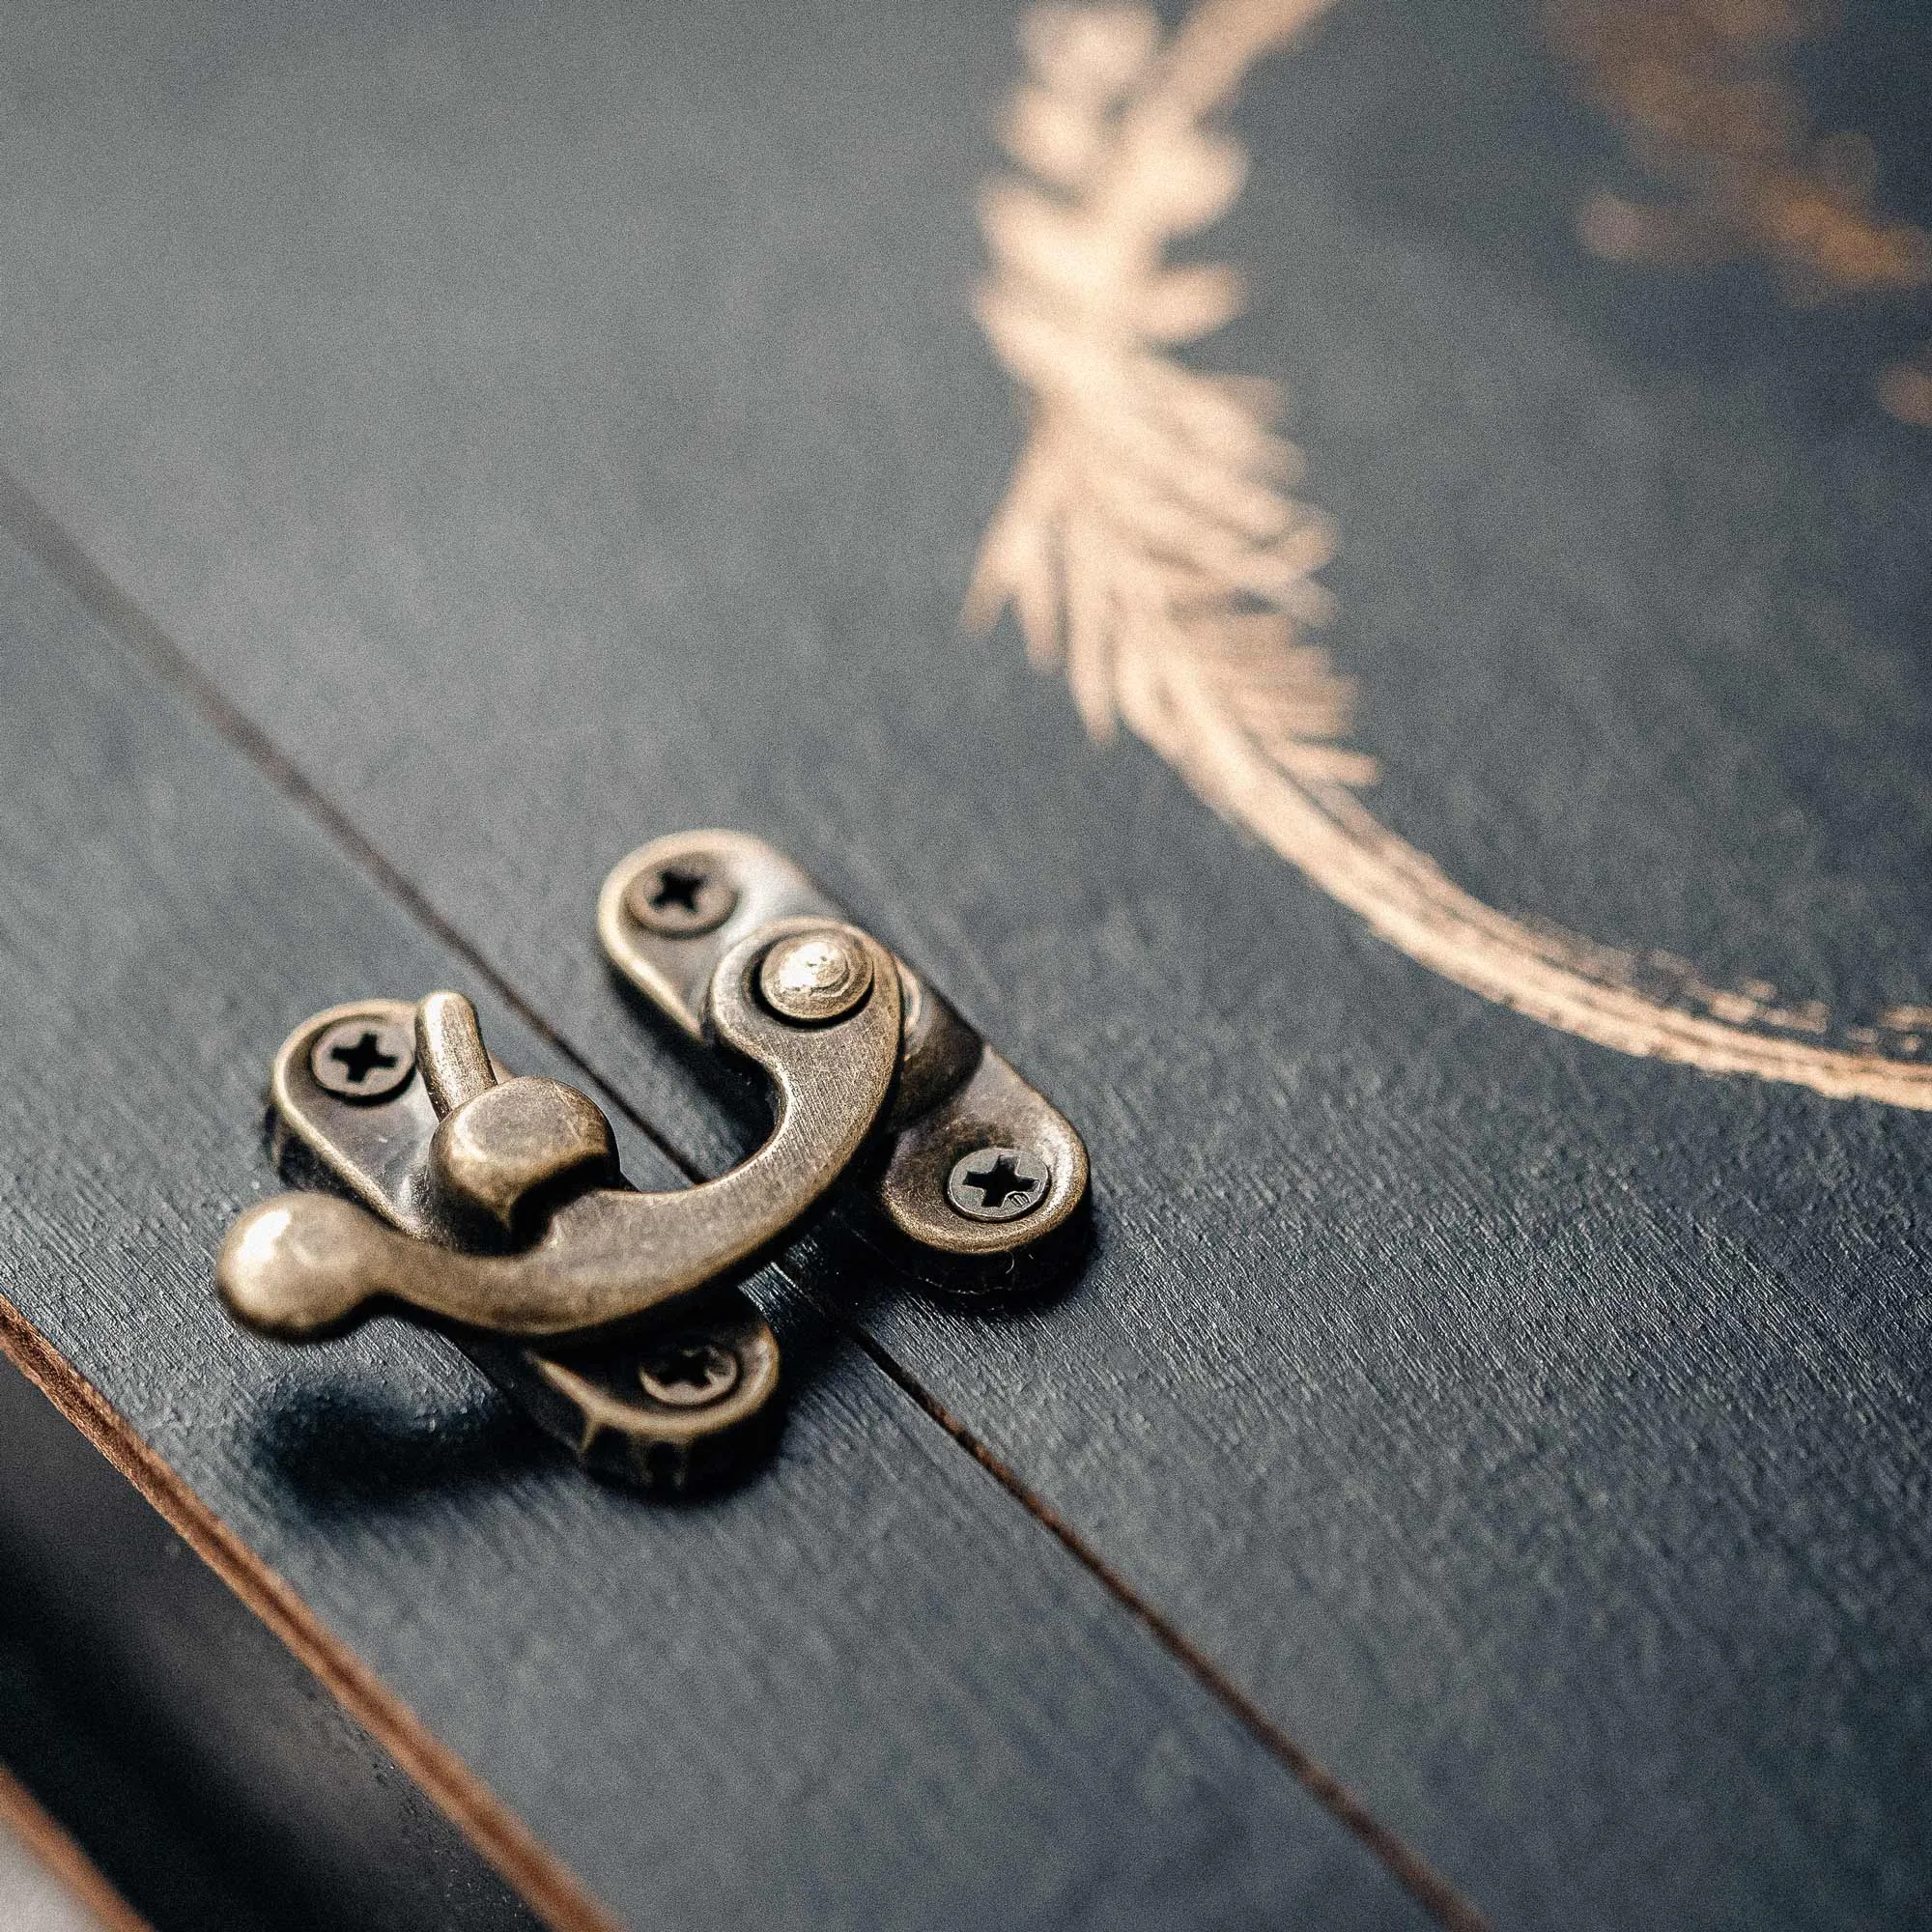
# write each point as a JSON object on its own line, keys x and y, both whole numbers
{"x": 532, "y": 1870}
{"x": 22, "y": 1812}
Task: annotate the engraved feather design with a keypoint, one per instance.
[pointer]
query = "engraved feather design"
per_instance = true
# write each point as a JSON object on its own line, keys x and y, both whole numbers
{"x": 1148, "y": 541}
{"x": 1148, "y": 535}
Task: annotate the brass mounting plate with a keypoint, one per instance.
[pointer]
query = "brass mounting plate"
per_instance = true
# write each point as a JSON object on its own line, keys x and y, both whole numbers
{"x": 956, "y": 1094}
{"x": 594, "y": 1396}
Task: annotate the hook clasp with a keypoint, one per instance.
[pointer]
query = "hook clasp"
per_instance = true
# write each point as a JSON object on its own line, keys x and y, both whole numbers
{"x": 491, "y": 1205}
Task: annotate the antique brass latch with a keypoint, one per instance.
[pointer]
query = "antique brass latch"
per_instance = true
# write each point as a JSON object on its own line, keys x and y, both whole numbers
{"x": 491, "y": 1203}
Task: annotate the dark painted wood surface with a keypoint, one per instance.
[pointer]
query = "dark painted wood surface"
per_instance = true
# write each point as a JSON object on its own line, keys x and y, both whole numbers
{"x": 555, "y": 431}
{"x": 865, "y": 1690}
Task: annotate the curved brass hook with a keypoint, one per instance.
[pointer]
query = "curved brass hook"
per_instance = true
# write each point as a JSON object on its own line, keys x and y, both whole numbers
{"x": 301, "y": 1265}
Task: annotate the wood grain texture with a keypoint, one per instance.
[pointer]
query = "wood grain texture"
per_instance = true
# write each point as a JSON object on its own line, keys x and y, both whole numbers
{"x": 865, "y": 1690}
{"x": 553, "y": 433}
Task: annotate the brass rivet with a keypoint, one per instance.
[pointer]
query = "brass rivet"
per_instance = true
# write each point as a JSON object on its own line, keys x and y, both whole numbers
{"x": 815, "y": 977}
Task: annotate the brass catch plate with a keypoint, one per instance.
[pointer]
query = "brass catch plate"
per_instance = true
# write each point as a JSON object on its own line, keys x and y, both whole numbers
{"x": 978, "y": 1163}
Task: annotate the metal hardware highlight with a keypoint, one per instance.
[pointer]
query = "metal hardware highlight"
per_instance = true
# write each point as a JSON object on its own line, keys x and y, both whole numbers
{"x": 619, "y": 1404}
{"x": 304, "y": 1265}
{"x": 491, "y": 1206}
{"x": 955, "y": 1096}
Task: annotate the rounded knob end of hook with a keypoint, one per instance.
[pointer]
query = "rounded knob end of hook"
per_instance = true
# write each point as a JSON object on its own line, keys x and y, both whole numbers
{"x": 300, "y": 1266}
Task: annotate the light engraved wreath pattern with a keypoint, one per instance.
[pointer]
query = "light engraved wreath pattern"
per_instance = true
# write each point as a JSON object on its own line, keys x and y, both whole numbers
{"x": 1705, "y": 96}
{"x": 1148, "y": 543}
